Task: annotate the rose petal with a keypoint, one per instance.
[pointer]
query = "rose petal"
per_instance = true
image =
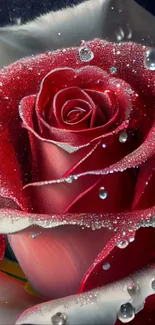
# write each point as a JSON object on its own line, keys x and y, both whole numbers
{"x": 42, "y": 258}
{"x": 13, "y": 299}
{"x": 123, "y": 261}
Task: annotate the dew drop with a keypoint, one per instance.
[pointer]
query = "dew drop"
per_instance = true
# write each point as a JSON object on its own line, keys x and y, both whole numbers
{"x": 69, "y": 180}
{"x": 104, "y": 145}
{"x": 85, "y": 54}
{"x": 149, "y": 59}
{"x": 123, "y": 137}
{"x": 59, "y": 319}
{"x": 153, "y": 284}
{"x": 126, "y": 313}
{"x": 106, "y": 266}
{"x": 35, "y": 235}
{"x": 130, "y": 91}
{"x": 113, "y": 70}
{"x": 133, "y": 288}
{"x": 122, "y": 244}
{"x": 103, "y": 193}
{"x": 131, "y": 239}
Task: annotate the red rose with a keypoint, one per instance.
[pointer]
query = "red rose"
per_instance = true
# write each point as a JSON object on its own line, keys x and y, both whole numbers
{"x": 77, "y": 149}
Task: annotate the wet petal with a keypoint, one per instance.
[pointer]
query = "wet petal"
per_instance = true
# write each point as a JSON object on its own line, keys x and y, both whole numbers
{"x": 100, "y": 306}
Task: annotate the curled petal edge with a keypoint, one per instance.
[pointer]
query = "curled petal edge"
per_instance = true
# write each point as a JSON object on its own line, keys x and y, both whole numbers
{"x": 97, "y": 306}
{"x": 12, "y": 221}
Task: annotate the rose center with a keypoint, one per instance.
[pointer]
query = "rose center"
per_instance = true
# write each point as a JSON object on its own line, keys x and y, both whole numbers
{"x": 74, "y": 115}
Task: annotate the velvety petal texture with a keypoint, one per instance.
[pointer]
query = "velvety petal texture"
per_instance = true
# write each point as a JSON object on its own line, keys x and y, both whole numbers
{"x": 77, "y": 149}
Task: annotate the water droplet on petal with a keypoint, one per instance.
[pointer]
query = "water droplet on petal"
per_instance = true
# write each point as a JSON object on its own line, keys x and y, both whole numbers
{"x": 103, "y": 193}
{"x": 153, "y": 284}
{"x": 104, "y": 145}
{"x": 123, "y": 137}
{"x": 149, "y": 59}
{"x": 59, "y": 319}
{"x": 122, "y": 244}
{"x": 130, "y": 91}
{"x": 133, "y": 288}
{"x": 126, "y": 313}
{"x": 106, "y": 266}
{"x": 113, "y": 70}
{"x": 131, "y": 239}
{"x": 85, "y": 54}
{"x": 35, "y": 235}
{"x": 69, "y": 180}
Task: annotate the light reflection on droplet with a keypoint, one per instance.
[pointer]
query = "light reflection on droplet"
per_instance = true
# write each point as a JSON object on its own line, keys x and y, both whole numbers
{"x": 103, "y": 193}
{"x": 149, "y": 59}
{"x": 126, "y": 313}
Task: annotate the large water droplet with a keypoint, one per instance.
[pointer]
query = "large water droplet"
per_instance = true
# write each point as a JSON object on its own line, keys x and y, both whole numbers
{"x": 85, "y": 54}
{"x": 126, "y": 313}
{"x": 149, "y": 59}
{"x": 103, "y": 193}
{"x": 122, "y": 244}
{"x": 59, "y": 319}
{"x": 106, "y": 266}
{"x": 123, "y": 137}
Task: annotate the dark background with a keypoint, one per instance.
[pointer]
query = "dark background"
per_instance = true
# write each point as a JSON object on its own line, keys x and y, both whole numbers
{"x": 11, "y": 10}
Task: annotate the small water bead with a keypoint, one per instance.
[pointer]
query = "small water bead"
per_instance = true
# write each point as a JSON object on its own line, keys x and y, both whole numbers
{"x": 104, "y": 145}
{"x": 133, "y": 288}
{"x": 69, "y": 180}
{"x": 85, "y": 54}
{"x": 103, "y": 193}
{"x": 35, "y": 235}
{"x": 122, "y": 244}
{"x": 131, "y": 239}
{"x": 106, "y": 266}
{"x": 113, "y": 70}
{"x": 59, "y": 319}
{"x": 126, "y": 313}
{"x": 149, "y": 59}
{"x": 153, "y": 284}
{"x": 123, "y": 137}
{"x": 130, "y": 91}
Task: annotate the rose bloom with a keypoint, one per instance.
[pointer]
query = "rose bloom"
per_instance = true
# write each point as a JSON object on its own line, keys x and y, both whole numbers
{"x": 77, "y": 169}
